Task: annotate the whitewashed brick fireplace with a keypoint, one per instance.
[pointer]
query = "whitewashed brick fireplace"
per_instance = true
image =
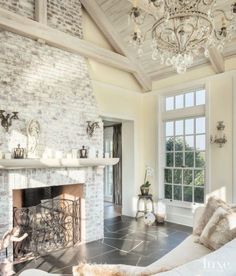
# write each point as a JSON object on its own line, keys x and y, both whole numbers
{"x": 91, "y": 178}
{"x": 53, "y": 87}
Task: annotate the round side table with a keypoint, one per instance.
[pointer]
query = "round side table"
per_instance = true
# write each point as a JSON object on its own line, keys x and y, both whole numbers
{"x": 145, "y": 199}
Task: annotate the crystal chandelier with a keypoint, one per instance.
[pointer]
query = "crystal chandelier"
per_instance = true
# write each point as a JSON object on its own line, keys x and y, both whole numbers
{"x": 182, "y": 29}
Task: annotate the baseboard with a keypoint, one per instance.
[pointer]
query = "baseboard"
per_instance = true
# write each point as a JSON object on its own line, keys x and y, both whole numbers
{"x": 180, "y": 219}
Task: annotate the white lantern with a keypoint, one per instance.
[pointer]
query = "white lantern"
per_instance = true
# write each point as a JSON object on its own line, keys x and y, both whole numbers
{"x": 161, "y": 211}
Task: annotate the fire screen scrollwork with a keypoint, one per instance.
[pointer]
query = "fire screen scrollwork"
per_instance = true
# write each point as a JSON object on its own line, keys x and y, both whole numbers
{"x": 51, "y": 225}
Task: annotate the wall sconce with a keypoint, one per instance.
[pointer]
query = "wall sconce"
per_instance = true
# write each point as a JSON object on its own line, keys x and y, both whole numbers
{"x": 91, "y": 127}
{"x": 6, "y": 120}
{"x": 220, "y": 138}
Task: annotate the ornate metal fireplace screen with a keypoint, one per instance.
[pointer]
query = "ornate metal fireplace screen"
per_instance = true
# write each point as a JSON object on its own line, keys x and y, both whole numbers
{"x": 53, "y": 224}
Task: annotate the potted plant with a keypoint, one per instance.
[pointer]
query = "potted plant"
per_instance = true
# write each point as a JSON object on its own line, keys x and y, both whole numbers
{"x": 144, "y": 188}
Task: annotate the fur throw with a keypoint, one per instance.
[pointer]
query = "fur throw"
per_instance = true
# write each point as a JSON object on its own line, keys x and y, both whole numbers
{"x": 84, "y": 269}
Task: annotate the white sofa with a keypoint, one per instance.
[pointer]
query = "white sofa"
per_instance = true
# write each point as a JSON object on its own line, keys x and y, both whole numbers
{"x": 188, "y": 258}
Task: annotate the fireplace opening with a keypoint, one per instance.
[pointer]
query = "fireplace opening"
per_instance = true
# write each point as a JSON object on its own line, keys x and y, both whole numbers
{"x": 50, "y": 216}
{"x": 34, "y": 196}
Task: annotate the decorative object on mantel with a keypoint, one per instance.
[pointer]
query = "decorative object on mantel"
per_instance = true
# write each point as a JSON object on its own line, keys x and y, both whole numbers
{"x": 19, "y": 153}
{"x": 144, "y": 188}
{"x": 59, "y": 154}
{"x": 7, "y": 155}
{"x": 83, "y": 152}
{"x": 219, "y": 138}
{"x": 92, "y": 125}
{"x": 33, "y": 133}
{"x": 6, "y": 120}
{"x": 182, "y": 30}
{"x": 74, "y": 153}
{"x": 48, "y": 154}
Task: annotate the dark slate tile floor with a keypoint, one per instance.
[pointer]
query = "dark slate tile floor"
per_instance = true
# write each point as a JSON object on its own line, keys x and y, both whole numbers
{"x": 126, "y": 241}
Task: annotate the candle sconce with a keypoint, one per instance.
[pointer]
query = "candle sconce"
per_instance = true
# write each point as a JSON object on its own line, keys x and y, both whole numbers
{"x": 91, "y": 127}
{"x": 219, "y": 138}
{"x": 6, "y": 119}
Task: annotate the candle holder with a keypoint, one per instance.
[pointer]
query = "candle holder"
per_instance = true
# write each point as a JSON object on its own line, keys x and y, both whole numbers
{"x": 7, "y": 118}
{"x": 220, "y": 138}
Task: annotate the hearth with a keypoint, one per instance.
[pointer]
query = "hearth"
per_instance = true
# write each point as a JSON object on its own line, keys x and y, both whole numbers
{"x": 51, "y": 218}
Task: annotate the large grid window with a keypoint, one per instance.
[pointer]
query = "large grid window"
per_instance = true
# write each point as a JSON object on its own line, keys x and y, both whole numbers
{"x": 185, "y": 151}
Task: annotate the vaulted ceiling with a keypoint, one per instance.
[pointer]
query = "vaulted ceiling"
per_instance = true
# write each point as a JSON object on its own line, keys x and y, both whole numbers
{"x": 112, "y": 18}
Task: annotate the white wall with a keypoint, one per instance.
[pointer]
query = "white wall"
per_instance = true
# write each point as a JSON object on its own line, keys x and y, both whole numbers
{"x": 128, "y": 170}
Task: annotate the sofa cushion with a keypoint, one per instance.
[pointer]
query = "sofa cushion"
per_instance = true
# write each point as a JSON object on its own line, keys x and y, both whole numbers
{"x": 218, "y": 263}
{"x": 212, "y": 204}
{"x": 37, "y": 272}
{"x": 220, "y": 229}
{"x": 187, "y": 251}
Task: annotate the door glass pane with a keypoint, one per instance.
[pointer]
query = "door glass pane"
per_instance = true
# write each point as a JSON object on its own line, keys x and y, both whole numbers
{"x": 169, "y": 103}
{"x": 169, "y": 128}
{"x": 168, "y": 191}
{"x": 170, "y": 144}
{"x": 178, "y": 159}
{"x": 177, "y": 193}
{"x": 168, "y": 176}
{"x": 179, "y": 101}
{"x": 189, "y": 126}
{"x": 200, "y": 142}
{"x": 188, "y": 194}
{"x": 199, "y": 178}
{"x": 179, "y": 143}
{"x": 178, "y": 176}
{"x": 169, "y": 159}
{"x": 199, "y": 195}
{"x": 189, "y": 159}
{"x": 189, "y": 99}
{"x": 200, "y": 159}
{"x": 179, "y": 127}
{"x": 200, "y": 125}
{"x": 188, "y": 177}
{"x": 200, "y": 97}
{"x": 189, "y": 142}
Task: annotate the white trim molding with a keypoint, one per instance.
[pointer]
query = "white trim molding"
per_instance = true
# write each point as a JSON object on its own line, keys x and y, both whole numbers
{"x": 234, "y": 138}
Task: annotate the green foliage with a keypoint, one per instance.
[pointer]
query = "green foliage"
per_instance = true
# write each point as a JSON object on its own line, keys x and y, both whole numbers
{"x": 147, "y": 184}
{"x": 193, "y": 179}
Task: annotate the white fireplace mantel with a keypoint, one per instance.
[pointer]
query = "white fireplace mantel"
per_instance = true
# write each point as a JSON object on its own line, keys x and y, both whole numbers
{"x": 14, "y": 164}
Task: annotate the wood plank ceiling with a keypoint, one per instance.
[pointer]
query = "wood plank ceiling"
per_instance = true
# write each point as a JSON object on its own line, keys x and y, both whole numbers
{"x": 116, "y": 13}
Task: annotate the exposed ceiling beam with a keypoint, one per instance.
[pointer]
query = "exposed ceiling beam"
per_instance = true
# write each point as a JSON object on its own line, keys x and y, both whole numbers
{"x": 41, "y": 11}
{"x": 217, "y": 60}
{"x": 116, "y": 40}
{"x": 29, "y": 28}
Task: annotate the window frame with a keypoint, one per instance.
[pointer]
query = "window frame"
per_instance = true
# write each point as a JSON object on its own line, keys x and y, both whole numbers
{"x": 183, "y": 113}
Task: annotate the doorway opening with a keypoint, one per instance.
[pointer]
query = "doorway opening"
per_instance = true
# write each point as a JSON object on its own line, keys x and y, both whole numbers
{"x": 113, "y": 174}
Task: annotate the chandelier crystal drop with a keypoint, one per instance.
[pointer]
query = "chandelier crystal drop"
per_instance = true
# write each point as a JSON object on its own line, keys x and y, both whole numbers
{"x": 182, "y": 29}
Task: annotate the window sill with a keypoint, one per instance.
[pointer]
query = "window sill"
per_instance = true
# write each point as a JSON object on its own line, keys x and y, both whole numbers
{"x": 186, "y": 205}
